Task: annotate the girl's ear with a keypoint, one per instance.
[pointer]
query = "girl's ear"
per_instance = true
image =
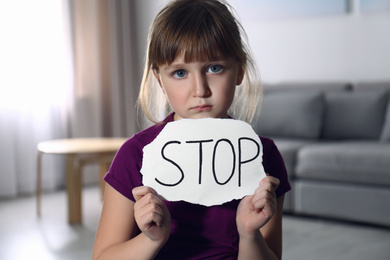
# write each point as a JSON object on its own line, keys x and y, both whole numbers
{"x": 240, "y": 75}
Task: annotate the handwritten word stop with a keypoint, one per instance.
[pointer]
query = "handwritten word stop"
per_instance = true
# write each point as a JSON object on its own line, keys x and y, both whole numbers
{"x": 204, "y": 161}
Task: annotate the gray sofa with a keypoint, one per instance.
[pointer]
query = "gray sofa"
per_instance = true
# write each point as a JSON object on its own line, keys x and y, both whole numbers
{"x": 335, "y": 140}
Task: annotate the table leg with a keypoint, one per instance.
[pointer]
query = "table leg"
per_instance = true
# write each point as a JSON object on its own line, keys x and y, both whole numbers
{"x": 103, "y": 171}
{"x": 39, "y": 182}
{"x": 73, "y": 187}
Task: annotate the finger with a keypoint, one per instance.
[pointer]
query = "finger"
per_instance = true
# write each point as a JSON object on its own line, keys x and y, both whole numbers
{"x": 270, "y": 179}
{"x": 259, "y": 204}
{"x": 266, "y": 205}
{"x": 148, "y": 220}
{"x": 265, "y": 186}
{"x": 149, "y": 212}
{"x": 263, "y": 199}
{"x": 148, "y": 199}
{"x": 152, "y": 214}
{"x": 147, "y": 209}
{"x": 265, "y": 191}
{"x": 139, "y": 192}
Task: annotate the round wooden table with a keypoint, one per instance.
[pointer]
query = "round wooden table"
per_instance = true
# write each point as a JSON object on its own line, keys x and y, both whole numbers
{"x": 78, "y": 152}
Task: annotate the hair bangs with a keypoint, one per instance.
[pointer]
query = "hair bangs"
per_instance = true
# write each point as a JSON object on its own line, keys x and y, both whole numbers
{"x": 197, "y": 48}
{"x": 195, "y": 34}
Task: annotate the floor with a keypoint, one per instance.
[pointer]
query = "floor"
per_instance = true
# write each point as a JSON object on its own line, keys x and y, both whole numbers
{"x": 24, "y": 236}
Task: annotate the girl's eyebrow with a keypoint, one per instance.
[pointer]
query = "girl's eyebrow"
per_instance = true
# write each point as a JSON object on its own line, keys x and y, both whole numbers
{"x": 173, "y": 66}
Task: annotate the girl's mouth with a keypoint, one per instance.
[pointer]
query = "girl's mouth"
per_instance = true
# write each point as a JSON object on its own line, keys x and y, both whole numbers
{"x": 202, "y": 108}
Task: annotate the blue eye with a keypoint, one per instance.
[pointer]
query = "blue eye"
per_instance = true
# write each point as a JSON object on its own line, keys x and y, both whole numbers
{"x": 180, "y": 74}
{"x": 215, "y": 69}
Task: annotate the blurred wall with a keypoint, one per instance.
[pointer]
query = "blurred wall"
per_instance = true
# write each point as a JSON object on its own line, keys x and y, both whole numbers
{"x": 353, "y": 46}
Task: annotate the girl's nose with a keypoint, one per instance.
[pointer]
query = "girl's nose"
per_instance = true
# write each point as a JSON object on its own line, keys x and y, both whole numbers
{"x": 200, "y": 86}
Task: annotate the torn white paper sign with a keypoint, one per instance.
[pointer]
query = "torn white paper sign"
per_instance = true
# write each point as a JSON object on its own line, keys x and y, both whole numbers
{"x": 204, "y": 161}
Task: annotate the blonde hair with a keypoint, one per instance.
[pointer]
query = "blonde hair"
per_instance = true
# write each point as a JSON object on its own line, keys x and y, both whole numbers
{"x": 201, "y": 30}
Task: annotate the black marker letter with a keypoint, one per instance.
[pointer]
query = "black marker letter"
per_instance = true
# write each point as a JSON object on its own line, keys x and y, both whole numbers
{"x": 239, "y": 156}
{"x": 200, "y": 155}
{"x": 234, "y": 161}
{"x": 181, "y": 171}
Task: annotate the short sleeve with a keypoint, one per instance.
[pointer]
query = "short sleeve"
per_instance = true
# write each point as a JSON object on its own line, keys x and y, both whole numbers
{"x": 124, "y": 172}
{"x": 274, "y": 165}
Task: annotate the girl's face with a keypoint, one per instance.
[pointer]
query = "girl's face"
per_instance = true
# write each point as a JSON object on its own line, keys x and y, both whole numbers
{"x": 200, "y": 89}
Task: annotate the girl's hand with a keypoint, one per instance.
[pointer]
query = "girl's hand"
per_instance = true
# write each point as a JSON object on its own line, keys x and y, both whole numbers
{"x": 256, "y": 210}
{"x": 151, "y": 214}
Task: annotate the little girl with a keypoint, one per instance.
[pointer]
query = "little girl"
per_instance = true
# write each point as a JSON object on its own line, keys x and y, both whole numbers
{"x": 198, "y": 60}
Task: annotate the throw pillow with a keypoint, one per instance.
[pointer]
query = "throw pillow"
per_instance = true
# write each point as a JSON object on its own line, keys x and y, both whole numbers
{"x": 385, "y": 136}
{"x": 291, "y": 114}
{"x": 357, "y": 114}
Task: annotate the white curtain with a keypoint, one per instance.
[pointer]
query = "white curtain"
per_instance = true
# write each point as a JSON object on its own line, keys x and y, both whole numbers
{"x": 107, "y": 68}
{"x": 107, "y": 73}
{"x": 68, "y": 68}
{"x": 35, "y": 83}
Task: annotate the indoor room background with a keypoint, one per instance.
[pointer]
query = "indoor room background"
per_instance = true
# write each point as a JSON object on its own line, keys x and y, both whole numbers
{"x": 71, "y": 68}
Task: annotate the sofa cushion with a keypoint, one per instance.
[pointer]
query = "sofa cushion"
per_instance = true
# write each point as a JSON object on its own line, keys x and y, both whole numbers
{"x": 308, "y": 86}
{"x": 364, "y": 162}
{"x": 288, "y": 148}
{"x": 354, "y": 114}
{"x": 296, "y": 114}
{"x": 378, "y": 85}
{"x": 354, "y": 202}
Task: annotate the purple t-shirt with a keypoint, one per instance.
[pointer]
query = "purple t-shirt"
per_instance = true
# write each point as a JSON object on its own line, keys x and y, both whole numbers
{"x": 197, "y": 231}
